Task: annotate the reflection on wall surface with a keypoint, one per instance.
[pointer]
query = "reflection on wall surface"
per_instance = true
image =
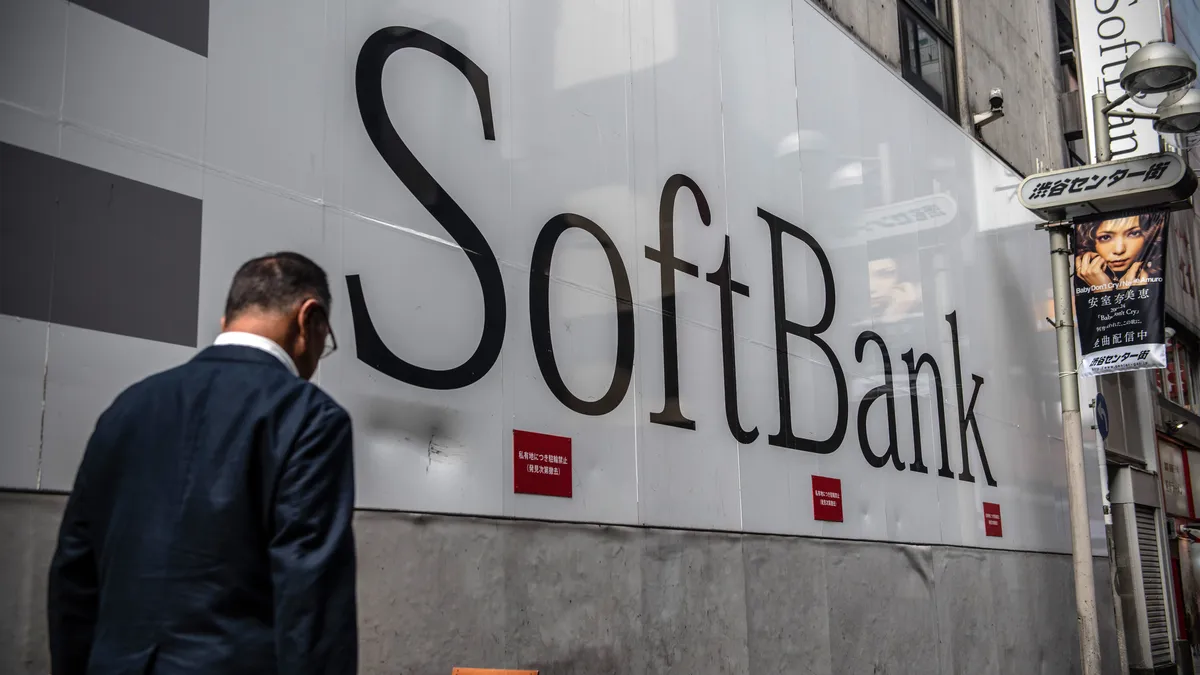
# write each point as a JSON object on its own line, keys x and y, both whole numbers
{"x": 671, "y": 232}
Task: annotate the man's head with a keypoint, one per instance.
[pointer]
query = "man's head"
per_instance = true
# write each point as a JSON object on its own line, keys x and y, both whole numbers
{"x": 284, "y": 297}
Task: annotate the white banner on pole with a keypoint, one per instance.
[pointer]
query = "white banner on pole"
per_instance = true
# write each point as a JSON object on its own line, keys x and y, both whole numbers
{"x": 1108, "y": 33}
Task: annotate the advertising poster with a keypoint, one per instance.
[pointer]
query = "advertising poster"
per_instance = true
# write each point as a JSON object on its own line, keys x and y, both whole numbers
{"x": 1119, "y": 293}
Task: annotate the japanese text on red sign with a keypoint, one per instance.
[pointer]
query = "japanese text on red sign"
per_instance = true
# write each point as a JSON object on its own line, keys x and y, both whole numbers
{"x": 827, "y": 499}
{"x": 541, "y": 464}
{"x": 545, "y": 459}
{"x": 992, "y": 526}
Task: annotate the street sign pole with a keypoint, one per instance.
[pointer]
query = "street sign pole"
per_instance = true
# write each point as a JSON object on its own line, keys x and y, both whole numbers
{"x": 1101, "y": 408}
{"x": 1098, "y": 191}
{"x": 1068, "y": 385}
{"x": 1100, "y": 126}
{"x": 1100, "y": 110}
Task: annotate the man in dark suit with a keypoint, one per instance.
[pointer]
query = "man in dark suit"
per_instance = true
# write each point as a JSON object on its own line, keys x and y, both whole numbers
{"x": 209, "y": 530}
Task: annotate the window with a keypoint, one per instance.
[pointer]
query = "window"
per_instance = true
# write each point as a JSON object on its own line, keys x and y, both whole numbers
{"x": 927, "y": 51}
{"x": 1069, "y": 97}
{"x": 1177, "y": 381}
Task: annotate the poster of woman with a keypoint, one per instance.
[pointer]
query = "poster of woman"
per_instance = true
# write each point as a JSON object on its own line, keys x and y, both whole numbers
{"x": 1119, "y": 271}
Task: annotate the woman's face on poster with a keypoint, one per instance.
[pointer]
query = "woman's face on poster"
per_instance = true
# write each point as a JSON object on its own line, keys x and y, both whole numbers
{"x": 1120, "y": 242}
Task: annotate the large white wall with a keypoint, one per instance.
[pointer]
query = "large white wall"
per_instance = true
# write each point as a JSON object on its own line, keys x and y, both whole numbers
{"x": 145, "y": 153}
{"x": 764, "y": 105}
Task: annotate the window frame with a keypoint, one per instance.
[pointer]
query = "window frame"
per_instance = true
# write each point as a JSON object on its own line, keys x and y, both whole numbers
{"x": 939, "y": 27}
{"x": 1183, "y": 357}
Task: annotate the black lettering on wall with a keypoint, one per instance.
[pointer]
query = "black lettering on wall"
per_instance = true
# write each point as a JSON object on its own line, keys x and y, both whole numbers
{"x": 785, "y": 327}
{"x": 888, "y": 392}
{"x": 723, "y": 278}
{"x": 914, "y": 371}
{"x": 671, "y": 414}
{"x": 369, "y": 85}
{"x": 967, "y": 418}
{"x": 539, "y": 315}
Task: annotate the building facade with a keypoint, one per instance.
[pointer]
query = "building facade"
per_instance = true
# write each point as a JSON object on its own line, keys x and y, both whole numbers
{"x": 1153, "y": 437}
{"x": 688, "y": 337}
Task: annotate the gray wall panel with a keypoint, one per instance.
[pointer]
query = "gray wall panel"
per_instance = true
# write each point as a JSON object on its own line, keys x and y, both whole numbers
{"x": 1106, "y": 611}
{"x": 183, "y": 23}
{"x": 787, "y": 608}
{"x": 1012, "y": 590}
{"x": 86, "y": 248}
{"x": 881, "y": 607}
{"x": 693, "y": 603}
{"x": 966, "y": 612}
{"x": 28, "y": 528}
{"x": 28, "y": 209}
{"x": 437, "y": 592}
{"x": 552, "y": 574}
{"x": 23, "y": 348}
{"x": 1051, "y": 587}
{"x": 461, "y": 567}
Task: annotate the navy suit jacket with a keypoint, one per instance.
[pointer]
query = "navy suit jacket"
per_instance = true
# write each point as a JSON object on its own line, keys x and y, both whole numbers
{"x": 209, "y": 530}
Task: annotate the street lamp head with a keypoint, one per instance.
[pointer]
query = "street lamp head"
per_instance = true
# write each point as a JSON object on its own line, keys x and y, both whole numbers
{"x": 1180, "y": 117}
{"x": 1158, "y": 67}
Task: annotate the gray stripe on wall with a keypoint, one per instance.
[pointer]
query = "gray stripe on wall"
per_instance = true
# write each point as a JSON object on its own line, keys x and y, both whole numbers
{"x": 183, "y": 23}
{"x": 85, "y": 248}
{"x": 28, "y": 191}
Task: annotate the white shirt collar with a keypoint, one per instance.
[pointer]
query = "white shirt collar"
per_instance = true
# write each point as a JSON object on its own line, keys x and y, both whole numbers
{"x": 258, "y": 342}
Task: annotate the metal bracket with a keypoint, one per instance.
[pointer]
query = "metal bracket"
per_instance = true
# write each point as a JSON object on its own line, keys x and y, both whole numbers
{"x": 1053, "y": 225}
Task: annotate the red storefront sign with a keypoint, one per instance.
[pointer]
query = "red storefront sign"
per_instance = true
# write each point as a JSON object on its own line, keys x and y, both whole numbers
{"x": 827, "y": 498}
{"x": 541, "y": 464}
{"x": 991, "y": 520}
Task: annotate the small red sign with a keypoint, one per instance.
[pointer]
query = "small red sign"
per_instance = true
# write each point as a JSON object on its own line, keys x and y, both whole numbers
{"x": 541, "y": 464}
{"x": 991, "y": 520}
{"x": 827, "y": 498}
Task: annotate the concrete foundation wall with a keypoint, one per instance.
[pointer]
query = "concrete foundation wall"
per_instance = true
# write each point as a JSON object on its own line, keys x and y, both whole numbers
{"x": 437, "y": 592}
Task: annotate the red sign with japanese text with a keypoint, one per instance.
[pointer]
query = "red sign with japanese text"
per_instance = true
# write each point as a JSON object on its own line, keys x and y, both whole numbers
{"x": 827, "y": 498}
{"x": 991, "y": 520}
{"x": 541, "y": 464}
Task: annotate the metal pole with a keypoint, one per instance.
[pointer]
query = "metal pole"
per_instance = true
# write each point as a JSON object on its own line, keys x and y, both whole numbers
{"x": 1122, "y": 657}
{"x": 1103, "y": 150}
{"x": 1068, "y": 383}
{"x": 1100, "y": 125}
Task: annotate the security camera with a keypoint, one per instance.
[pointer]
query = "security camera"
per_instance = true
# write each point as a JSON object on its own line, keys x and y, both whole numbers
{"x": 996, "y": 99}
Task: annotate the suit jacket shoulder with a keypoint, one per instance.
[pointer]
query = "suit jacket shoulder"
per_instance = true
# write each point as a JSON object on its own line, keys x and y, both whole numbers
{"x": 198, "y": 502}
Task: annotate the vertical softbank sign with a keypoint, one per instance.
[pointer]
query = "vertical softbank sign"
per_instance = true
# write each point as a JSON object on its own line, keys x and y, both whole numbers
{"x": 1109, "y": 32}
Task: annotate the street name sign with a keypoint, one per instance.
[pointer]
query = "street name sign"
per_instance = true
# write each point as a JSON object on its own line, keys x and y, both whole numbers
{"x": 1086, "y": 192}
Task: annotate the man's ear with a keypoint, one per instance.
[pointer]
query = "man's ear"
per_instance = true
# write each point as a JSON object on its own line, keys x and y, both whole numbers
{"x": 305, "y": 313}
{"x": 222, "y": 323}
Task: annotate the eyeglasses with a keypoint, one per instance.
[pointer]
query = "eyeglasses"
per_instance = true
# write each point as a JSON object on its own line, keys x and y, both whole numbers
{"x": 330, "y": 340}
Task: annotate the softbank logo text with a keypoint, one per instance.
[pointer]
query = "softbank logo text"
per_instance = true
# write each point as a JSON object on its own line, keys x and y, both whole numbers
{"x": 372, "y": 350}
